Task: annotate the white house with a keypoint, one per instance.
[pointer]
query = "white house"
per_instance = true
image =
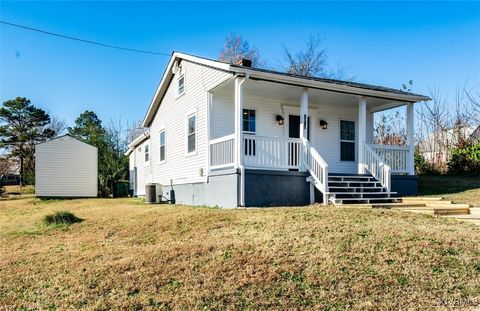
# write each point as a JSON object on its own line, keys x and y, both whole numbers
{"x": 231, "y": 135}
{"x": 139, "y": 164}
{"x": 436, "y": 146}
{"x": 66, "y": 167}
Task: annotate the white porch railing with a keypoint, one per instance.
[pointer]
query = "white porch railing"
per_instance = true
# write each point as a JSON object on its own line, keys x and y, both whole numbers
{"x": 271, "y": 152}
{"x": 317, "y": 167}
{"x": 222, "y": 152}
{"x": 394, "y": 156}
{"x": 377, "y": 167}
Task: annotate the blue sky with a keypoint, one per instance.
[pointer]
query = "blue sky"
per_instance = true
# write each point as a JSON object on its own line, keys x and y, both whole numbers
{"x": 436, "y": 44}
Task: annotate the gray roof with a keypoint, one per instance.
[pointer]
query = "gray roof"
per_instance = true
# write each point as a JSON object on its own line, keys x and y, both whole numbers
{"x": 320, "y": 79}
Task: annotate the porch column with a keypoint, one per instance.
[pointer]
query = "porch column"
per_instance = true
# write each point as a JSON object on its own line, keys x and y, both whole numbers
{"x": 238, "y": 121}
{"x": 303, "y": 122}
{"x": 410, "y": 140}
{"x": 239, "y": 138}
{"x": 362, "y": 132}
{"x": 304, "y": 114}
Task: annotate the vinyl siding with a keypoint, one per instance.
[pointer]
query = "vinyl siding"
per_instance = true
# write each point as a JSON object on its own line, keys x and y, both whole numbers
{"x": 327, "y": 142}
{"x": 137, "y": 160}
{"x": 66, "y": 167}
{"x": 179, "y": 167}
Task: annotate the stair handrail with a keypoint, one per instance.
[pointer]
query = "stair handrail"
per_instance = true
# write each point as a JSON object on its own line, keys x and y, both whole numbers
{"x": 316, "y": 166}
{"x": 377, "y": 167}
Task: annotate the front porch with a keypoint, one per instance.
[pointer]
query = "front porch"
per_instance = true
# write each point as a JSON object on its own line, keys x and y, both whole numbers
{"x": 263, "y": 125}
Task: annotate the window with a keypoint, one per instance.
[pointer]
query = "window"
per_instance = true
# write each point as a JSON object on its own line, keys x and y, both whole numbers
{"x": 147, "y": 153}
{"x": 181, "y": 85}
{"x": 162, "y": 146}
{"x": 248, "y": 118}
{"x": 191, "y": 133}
{"x": 347, "y": 140}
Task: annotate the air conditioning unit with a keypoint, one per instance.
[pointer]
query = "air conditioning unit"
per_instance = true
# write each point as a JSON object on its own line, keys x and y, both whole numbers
{"x": 153, "y": 193}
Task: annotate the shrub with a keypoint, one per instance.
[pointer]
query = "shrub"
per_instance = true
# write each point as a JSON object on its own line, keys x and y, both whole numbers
{"x": 424, "y": 167}
{"x": 465, "y": 160}
{"x": 61, "y": 218}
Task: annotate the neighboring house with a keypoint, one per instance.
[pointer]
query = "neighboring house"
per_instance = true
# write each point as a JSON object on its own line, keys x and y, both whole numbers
{"x": 231, "y": 135}
{"x": 66, "y": 167}
{"x": 436, "y": 146}
{"x": 9, "y": 171}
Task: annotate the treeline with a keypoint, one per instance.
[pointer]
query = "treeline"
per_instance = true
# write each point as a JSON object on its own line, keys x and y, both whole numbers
{"x": 23, "y": 126}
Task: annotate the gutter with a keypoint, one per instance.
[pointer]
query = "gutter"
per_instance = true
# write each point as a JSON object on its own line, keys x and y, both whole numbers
{"x": 313, "y": 84}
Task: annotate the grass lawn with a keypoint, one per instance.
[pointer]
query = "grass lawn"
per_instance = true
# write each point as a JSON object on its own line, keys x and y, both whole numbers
{"x": 128, "y": 255}
{"x": 456, "y": 188}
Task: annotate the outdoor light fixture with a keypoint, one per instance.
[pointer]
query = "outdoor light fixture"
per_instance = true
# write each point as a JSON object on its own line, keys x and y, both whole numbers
{"x": 279, "y": 119}
{"x": 323, "y": 124}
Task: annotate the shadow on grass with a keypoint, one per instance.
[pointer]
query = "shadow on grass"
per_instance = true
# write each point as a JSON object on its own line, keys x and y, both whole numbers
{"x": 431, "y": 185}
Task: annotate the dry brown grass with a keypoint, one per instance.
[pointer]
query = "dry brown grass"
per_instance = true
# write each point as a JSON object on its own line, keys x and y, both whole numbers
{"x": 127, "y": 255}
{"x": 459, "y": 189}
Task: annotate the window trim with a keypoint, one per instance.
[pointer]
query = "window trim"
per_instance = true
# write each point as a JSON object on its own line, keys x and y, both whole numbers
{"x": 256, "y": 114}
{"x": 340, "y": 140}
{"x": 181, "y": 75}
{"x": 146, "y": 152}
{"x": 160, "y": 146}
{"x": 187, "y": 117}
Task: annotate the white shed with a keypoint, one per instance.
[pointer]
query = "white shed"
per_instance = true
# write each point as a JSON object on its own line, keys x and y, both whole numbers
{"x": 66, "y": 167}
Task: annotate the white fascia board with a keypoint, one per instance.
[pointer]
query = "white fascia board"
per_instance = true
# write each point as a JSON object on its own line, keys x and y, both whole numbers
{"x": 137, "y": 141}
{"x": 162, "y": 87}
{"x": 329, "y": 86}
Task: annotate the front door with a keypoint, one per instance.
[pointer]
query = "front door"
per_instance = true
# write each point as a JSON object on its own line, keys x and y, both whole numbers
{"x": 294, "y": 132}
{"x": 294, "y": 126}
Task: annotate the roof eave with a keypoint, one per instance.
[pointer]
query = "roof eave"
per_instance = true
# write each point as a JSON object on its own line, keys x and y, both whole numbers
{"x": 329, "y": 86}
{"x": 137, "y": 141}
{"x": 167, "y": 75}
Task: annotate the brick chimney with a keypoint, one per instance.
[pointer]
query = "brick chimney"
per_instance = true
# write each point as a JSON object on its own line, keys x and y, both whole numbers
{"x": 244, "y": 62}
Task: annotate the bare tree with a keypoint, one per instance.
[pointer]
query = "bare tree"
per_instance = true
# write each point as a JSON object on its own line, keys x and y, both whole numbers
{"x": 389, "y": 128}
{"x": 434, "y": 119}
{"x": 59, "y": 126}
{"x": 235, "y": 48}
{"x": 473, "y": 97}
{"x": 309, "y": 61}
{"x": 134, "y": 130}
{"x": 312, "y": 61}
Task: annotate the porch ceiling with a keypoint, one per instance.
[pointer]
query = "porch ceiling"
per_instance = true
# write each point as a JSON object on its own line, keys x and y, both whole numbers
{"x": 291, "y": 94}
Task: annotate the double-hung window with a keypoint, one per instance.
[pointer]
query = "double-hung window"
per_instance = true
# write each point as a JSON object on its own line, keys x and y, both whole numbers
{"x": 181, "y": 84}
{"x": 162, "y": 146}
{"x": 191, "y": 133}
{"x": 249, "y": 127}
{"x": 146, "y": 151}
{"x": 347, "y": 140}
{"x": 248, "y": 121}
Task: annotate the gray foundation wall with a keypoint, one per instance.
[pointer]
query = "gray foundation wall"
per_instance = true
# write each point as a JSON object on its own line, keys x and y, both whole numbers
{"x": 276, "y": 188}
{"x": 220, "y": 190}
{"x": 405, "y": 185}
